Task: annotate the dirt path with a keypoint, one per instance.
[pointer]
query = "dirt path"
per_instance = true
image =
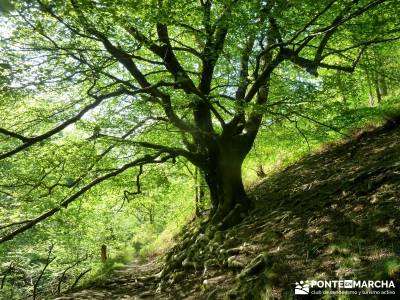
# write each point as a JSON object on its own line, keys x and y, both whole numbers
{"x": 134, "y": 281}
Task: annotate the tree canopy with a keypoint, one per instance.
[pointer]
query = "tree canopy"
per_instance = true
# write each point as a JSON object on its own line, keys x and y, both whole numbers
{"x": 93, "y": 89}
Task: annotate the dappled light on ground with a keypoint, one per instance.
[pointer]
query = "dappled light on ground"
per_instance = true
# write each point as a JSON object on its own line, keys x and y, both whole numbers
{"x": 334, "y": 214}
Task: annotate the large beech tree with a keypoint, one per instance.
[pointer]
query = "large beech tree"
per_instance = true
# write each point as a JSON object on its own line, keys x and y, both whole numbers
{"x": 175, "y": 78}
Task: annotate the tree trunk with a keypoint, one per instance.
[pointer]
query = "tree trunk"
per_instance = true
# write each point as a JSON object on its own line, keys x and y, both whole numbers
{"x": 103, "y": 253}
{"x": 223, "y": 175}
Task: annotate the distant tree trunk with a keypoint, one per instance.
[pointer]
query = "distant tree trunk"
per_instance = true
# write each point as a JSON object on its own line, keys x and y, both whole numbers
{"x": 103, "y": 253}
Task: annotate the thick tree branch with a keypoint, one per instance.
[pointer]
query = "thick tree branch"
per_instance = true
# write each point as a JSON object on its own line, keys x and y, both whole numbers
{"x": 14, "y": 224}
{"x": 174, "y": 151}
{"x": 339, "y": 21}
{"x": 263, "y": 77}
{"x": 244, "y": 68}
{"x": 311, "y": 66}
{"x": 242, "y": 86}
{"x": 14, "y": 135}
{"x": 328, "y": 31}
{"x": 166, "y": 53}
{"x": 360, "y": 45}
{"x": 150, "y": 159}
{"x": 33, "y": 140}
{"x": 47, "y": 9}
{"x": 311, "y": 22}
{"x": 171, "y": 62}
{"x": 126, "y": 60}
{"x": 106, "y": 151}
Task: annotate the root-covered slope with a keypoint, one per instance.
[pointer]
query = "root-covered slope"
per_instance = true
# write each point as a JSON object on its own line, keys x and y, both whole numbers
{"x": 334, "y": 214}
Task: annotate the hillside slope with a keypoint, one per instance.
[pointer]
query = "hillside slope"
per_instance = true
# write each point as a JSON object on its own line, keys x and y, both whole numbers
{"x": 333, "y": 215}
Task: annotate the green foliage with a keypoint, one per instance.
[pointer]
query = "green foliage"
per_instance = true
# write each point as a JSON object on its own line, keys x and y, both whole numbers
{"x": 55, "y": 65}
{"x": 387, "y": 268}
{"x": 299, "y": 120}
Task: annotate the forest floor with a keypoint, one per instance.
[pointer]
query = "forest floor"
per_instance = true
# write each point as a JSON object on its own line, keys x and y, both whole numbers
{"x": 335, "y": 214}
